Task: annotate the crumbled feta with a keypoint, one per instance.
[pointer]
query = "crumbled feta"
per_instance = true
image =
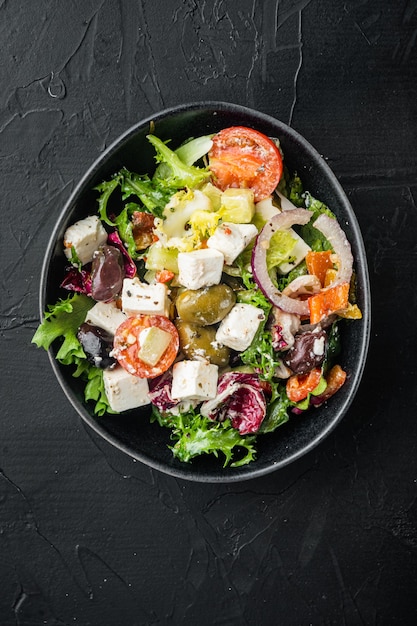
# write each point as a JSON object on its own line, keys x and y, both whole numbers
{"x": 85, "y": 236}
{"x": 105, "y": 315}
{"x": 239, "y": 327}
{"x": 194, "y": 380}
{"x": 318, "y": 346}
{"x": 125, "y": 391}
{"x": 200, "y": 268}
{"x": 284, "y": 327}
{"x": 138, "y": 297}
{"x": 231, "y": 239}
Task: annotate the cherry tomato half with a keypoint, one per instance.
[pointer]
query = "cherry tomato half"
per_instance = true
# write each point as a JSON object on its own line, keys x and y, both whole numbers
{"x": 243, "y": 157}
{"x": 127, "y": 345}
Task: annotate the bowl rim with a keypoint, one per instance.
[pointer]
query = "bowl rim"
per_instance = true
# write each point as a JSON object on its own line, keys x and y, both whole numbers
{"x": 250, "y": 471}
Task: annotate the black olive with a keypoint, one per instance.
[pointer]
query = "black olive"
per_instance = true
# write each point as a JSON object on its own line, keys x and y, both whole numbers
{"x": 97, "y": 344}
{"x": 107, "y": 273}
{"x": 306, "y": 353}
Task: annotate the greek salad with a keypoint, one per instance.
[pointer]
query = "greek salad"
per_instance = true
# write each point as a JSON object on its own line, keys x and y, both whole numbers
{"x": 210, "y": 291}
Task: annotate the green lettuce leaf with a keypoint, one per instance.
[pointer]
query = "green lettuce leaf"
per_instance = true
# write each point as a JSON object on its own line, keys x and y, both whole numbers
{"x": 62, "y": 321}
{"x": 94, "y": 391}
{"x": 147, "y": 197}
{"x": 177, "y": 173}
{"x": 153, "y": 195}
{"x": 194, "y": 435}
{"x": 313, "y": 237}
{"x": 277, "y": 412}
{"x": 260, "y": 355}
{"x": 281, "y": 244}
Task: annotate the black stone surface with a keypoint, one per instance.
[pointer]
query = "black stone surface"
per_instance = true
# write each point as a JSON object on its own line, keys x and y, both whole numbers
{"x": 87, "y": 535}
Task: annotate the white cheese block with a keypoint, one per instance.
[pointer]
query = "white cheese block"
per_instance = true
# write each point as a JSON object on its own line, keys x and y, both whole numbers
{"x": 125, "y": 391}
{"x": 200, "y": 268}
{"x": 138, "y": 297}
{"x": 106, "y": 315}
{"x": 239, "y": 327}
{"x": 194, "y": 380}
{"x": 231, "y": 239}
{"x": 85, "y": 236}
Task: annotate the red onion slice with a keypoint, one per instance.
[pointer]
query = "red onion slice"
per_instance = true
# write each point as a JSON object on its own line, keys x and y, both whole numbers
{"x": 336, "y": 237}
{"x": 280, "y": 221}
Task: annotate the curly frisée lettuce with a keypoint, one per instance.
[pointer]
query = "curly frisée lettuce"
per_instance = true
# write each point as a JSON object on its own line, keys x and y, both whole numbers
{"x": 177, "y": 172}
{"x": 62, "y": 321}
{"x": 194, "y": 435}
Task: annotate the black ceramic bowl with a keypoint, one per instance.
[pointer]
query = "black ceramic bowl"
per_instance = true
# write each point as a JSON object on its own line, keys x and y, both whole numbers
{"x": 132, "y": 432}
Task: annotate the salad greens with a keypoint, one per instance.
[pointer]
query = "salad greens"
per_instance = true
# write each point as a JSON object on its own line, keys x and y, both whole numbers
{"x": 260, "y": 355}
{"x": 194, "y": 435}
{"x": 62, "y": 321}
{"x": 177, "y": 173}
{"x": 185, "y": 209}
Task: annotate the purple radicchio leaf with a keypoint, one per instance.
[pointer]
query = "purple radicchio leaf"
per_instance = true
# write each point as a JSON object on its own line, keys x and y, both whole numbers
{"x": 240, "y": 398}
{"x": 78, "y": 280}
{"x": 129, "y": 265}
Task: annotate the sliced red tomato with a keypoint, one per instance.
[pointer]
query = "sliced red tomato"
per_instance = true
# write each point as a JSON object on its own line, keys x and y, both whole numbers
{"x": 127, "y": 343}
{"x": 243, "y": 157}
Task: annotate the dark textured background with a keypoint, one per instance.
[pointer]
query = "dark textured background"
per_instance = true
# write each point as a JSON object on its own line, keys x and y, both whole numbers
{"x": 89, "y": 537}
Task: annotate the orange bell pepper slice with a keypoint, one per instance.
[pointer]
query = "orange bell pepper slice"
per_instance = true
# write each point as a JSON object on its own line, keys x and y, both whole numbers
{"x": 352, "y": 312}
{"x": 300, "y": 385}
{"x": 164, "y": 276}
{"x": 318, "y": 263}
{"x": 330, "y": 277}
{"x": 328, "y": 301}
{"x": 335, "y": 380}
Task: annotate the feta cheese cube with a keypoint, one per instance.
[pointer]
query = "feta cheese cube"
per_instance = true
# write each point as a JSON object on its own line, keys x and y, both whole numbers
{"x": 239, "y": 327}
{"x": 195, "y": 380}
{"x": 231, "y": 239}
{"x": 85, "y": 236}
{"x": 200, "y": 268}
{"x": 125, "y": 391}
{"x": 105, "y": 315}
{"x": 138, "y": 297}
{"x": 318, "y": 346}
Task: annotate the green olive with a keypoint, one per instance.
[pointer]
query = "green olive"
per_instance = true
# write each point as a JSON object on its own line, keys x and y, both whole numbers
{"x": 205, "y": 306}
{"x": 200, "y": 341}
